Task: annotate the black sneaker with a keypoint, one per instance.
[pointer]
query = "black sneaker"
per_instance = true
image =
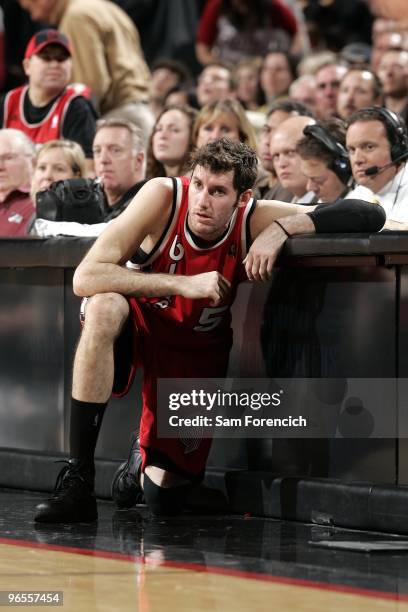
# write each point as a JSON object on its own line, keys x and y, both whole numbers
{"x": 73, "y": 500}
{"x": 126, "y": 490}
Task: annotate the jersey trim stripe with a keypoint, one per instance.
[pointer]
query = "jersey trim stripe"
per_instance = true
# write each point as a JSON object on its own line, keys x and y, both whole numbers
{"x": 245, "y": 229}
{"x": 191, "y": 242}
{"x": 161, "y": 243}
{"x": 6, "y": 108}
{"x": 48, "y": 116}
{"x": 73, "y": 93}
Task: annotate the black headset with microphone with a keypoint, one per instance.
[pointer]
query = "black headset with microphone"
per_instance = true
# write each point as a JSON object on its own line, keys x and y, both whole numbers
{"x": 340, "y": 163}
{"x": 397, "y": 136}
{"x": 396, "y": 132}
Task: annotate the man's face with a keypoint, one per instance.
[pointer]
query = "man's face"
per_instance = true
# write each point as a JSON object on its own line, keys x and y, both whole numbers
{"x": 368, "y": 145}
{"x": 116, "y": 162}
{"x": 382, "y": 43}
{"x": 39, "y": 9}
{"x": 324, "y": 182}
{"x": 305, "y": 92}
{"x": 15, "y": 165}
{"x": 50, "y": 69}
{"x": 393, "y": 73}
{"x": 264, "y": 139}
{"x": 286, "y": 161}
{"x": 214, "y": 83}
{"x": 212, "y": 199}
{"x": 275, "y": 74}
{"x": 356, "y": 91}
{"x": 327, "y": 87}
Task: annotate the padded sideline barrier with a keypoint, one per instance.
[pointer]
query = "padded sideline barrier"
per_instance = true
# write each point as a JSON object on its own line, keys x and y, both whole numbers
{"x": 36, "y": 471}
{"x": 311, "y": 500}
{"x": 321, "y": 501}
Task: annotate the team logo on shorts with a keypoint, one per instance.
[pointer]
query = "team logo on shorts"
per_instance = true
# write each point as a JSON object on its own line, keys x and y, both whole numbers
{"x": 192, "y": 444}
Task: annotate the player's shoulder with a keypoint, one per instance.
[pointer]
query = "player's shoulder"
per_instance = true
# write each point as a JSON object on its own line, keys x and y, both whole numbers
{"x": 156, "y": 194}
{"x": 160, "y": 184}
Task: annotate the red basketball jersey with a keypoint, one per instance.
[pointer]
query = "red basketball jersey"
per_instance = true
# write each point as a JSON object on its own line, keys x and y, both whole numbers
{"x": 183, "y": 322}
{"x": 50, "y": 128}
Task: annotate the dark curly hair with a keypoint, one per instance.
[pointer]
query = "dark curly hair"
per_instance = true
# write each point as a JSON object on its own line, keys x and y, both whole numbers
{"x": 224, "y": 155}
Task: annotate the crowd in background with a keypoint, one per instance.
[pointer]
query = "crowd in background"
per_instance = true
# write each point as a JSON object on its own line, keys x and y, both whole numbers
{"x": 125, "y": 90}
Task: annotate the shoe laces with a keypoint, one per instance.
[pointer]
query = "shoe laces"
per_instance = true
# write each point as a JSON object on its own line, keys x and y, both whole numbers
{"x": 68, "y": 476}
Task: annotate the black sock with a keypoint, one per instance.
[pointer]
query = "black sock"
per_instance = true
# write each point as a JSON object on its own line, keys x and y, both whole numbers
{"x": 85, "y": 423}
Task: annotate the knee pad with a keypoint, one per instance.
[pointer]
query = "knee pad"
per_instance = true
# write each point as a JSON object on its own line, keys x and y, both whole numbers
{"x": 165, "y": 501}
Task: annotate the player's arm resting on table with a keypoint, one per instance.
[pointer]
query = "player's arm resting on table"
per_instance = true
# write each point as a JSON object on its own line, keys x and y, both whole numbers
{"x": 102, "y": 269}
{"x": 269, "y": 237}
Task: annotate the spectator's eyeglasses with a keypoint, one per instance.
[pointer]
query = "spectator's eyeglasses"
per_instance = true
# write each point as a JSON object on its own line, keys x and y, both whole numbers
{"x": 58, "y": 54}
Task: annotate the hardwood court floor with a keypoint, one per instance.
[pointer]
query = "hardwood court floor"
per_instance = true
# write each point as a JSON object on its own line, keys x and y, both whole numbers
{"x": 130, "y": 561}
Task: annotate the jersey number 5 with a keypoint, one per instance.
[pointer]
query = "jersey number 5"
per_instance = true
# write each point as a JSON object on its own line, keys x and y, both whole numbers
{"x": 210, "y": 318}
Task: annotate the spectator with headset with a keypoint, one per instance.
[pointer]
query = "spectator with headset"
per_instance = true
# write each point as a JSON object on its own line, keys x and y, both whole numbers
{"x": 377, "y": 143}
{"x": 324, "y": 160}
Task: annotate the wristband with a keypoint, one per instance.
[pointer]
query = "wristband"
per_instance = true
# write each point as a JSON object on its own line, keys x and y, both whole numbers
{"x": 283, "y": 229}
{"x": 347, "y": 216}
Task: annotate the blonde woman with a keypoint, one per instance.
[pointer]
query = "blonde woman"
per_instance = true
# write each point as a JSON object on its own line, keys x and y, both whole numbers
{"x": 223, "y": 119}
{"x": 57, "y": 160}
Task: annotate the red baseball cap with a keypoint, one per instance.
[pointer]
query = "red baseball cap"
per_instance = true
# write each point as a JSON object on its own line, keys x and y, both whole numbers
{"x": 44, "y": 38}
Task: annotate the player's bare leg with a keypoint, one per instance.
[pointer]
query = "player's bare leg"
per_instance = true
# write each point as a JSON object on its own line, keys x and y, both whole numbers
{"x": 93, "y": 370}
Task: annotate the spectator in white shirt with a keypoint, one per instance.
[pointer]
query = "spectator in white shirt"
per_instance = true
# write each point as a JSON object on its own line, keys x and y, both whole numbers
{"x": 377, "y": 142}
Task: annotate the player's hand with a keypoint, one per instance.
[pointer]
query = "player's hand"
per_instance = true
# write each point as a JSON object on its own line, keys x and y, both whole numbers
{"x": 262, "y": 255}
{"x": 210, "y": 285}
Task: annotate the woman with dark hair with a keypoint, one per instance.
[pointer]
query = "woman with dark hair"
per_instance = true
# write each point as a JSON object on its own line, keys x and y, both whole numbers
{"x": 171, "y": 142}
